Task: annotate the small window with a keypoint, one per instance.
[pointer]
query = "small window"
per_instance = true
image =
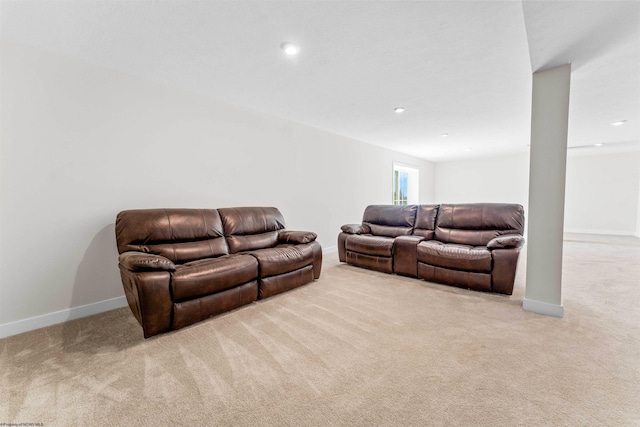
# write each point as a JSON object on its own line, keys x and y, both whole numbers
{"x": 405, "y": 184}
{"x": 400, "y": 179}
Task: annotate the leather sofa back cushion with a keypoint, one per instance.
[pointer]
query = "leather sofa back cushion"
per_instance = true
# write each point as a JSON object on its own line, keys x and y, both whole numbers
{"x": 390, "y": 220}
{"x": 476, "y": 223}
{"x": 426, "y": 221}
{"x": 181, "y": 235}
{"x": 248, "y": 228}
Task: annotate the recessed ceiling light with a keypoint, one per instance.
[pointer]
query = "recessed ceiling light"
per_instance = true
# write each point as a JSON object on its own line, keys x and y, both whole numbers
{"x": 290, "y": 48}
{"x": 399, "y": 109}
{"x": 599, "y": 144}
{"x": 618, "y": 123}
{"x": 444, "y": 135}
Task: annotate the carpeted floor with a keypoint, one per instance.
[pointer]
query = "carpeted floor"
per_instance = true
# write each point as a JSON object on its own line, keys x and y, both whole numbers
{"x": 356, "y": 347}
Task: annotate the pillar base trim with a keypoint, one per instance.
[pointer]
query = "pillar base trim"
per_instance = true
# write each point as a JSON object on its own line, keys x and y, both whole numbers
{"x": 545, "y": 308}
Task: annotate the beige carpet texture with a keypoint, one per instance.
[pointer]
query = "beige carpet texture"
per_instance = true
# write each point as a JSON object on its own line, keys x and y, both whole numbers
{"x": 354, "y": 348}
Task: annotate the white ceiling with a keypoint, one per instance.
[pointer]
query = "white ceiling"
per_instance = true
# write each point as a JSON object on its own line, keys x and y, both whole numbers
{"x": 459, "y": 67}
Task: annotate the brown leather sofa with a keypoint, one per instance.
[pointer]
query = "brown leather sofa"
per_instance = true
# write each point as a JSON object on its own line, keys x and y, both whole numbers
{"x": 181, "y": 266}
{"x": 474, "y": 246}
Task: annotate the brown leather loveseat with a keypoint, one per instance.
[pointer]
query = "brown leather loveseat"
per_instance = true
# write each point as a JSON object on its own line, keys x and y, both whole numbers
{"x": 181, "y": 266}
{"x": 474, "y": 245}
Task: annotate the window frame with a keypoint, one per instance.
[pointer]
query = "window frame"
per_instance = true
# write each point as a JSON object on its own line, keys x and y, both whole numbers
{"x": 413, "y": 183}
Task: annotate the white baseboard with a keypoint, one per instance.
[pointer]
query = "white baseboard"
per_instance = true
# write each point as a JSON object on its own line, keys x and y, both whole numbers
{"x": 545, "y": 308}
{"x": 329, "y": 250}
{"x": 37, "y": 322}
{"x": 603, "y": 232}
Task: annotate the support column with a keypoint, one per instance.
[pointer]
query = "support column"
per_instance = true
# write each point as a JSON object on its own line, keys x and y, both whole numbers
{"x": 547, "y": 173}
{"x": 638, "y": 210}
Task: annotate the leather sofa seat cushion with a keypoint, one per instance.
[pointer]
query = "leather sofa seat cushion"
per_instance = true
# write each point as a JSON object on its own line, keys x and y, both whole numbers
{"x": 203, "y": 277}
{"x": 455, "y": 256}
{"x": 283, "y": 259}
{"x": 370, "y": 245}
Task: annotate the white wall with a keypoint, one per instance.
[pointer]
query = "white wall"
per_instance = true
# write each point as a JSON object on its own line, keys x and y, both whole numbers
{"x": 503, "y": 179}
{"x": 602, "y": 193}
{"x": 80, "y": 143}
{"x": 602, "y": 190}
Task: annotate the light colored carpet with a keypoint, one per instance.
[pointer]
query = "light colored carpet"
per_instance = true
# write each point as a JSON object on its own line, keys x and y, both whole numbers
{"x": 356, "y": 348}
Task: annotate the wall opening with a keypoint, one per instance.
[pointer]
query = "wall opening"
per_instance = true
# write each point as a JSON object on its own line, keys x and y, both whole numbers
{"x": 405, "y": 184}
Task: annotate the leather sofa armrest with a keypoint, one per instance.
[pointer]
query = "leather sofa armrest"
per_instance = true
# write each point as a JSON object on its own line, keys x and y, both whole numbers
{"x": 413, "y": 239}
{"x": 297, "y": 237}
{"x": 356, "y": 229}
{"x": 140, "y": 261}
{"x": 506, "y": 242}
